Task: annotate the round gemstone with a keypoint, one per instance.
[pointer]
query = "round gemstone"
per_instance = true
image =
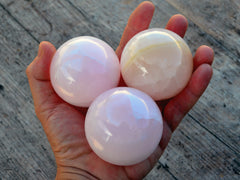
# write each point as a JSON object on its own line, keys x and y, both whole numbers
{"x": 123, "y": 126}
{"x": 83, "y": 68}
{"x": 157, "y": 62}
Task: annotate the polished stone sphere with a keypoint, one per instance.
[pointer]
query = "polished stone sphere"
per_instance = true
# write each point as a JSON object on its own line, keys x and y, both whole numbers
{"x": 83, "y": 68}
{"x": 158, "y": 62}
{"x": 123, "y": 126}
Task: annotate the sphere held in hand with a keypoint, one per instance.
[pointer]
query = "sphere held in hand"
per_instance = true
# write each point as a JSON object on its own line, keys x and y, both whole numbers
{"x": 83, "y": 68}
{"x": 123, "y": 126}
{"x": 157, "y": 62}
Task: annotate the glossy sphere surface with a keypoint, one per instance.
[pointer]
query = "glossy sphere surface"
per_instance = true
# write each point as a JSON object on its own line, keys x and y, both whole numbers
{"x": 123, "y": 126}
{"x": 158, "y": 62}
{"x": 82, "y": 69}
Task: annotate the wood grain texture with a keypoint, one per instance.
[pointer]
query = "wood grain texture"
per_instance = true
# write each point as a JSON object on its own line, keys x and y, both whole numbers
{"x": 207, "y": 143}
{"x": 23, "y": 143}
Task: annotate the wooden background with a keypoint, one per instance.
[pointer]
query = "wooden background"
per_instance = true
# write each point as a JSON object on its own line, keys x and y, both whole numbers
{"x": 207, "y": 143}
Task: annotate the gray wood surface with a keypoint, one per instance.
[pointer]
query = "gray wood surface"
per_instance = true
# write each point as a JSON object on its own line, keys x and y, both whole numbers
{"x": 206, "y": 145}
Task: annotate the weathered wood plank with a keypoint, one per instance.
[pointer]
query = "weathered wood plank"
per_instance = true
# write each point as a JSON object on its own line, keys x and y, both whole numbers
{"x": 56, "y": 21}
{"x": 218, "y": 18}
{"x": 222, "y": 97}
{"x": 24, "y": 151}
{"x": 210, "y": 127}
{"x": 96, "y": 19}
{"x": 196, "y": 154}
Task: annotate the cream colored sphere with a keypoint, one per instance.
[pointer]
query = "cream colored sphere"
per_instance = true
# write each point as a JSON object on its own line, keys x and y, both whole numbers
{"x": 158, "y": 62}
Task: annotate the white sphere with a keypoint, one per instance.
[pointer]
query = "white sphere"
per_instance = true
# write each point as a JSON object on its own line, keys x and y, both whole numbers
{"x": 123, "y": 126}
{"x": 83, "y": 68}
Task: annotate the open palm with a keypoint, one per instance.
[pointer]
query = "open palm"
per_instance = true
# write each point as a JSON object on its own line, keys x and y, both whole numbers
{"x": 64, "y": 123}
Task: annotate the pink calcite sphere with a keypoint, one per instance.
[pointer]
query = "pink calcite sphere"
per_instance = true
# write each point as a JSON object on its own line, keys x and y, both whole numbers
{"x": 123, "y": 126}
{"x": 83, "y": 68}
{"x": 157, "y": 62}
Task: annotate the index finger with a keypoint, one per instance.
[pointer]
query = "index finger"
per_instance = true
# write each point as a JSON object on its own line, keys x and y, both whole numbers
{"x": 139, "y": 20}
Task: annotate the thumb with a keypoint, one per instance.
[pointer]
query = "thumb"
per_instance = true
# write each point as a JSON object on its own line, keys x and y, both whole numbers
{"x": 44, "y": 96}
{"x": 39, "y": 68}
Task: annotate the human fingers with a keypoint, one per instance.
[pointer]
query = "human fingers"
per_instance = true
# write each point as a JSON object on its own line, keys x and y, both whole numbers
{"x": 203, "y": 55}
{"x": 178, "y": 24}
{"x": 177, "y": 108}
{"x": 137, "y": 22}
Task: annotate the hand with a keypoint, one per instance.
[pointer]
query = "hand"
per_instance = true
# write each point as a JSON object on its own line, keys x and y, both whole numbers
{"x": 64, "y": 124}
